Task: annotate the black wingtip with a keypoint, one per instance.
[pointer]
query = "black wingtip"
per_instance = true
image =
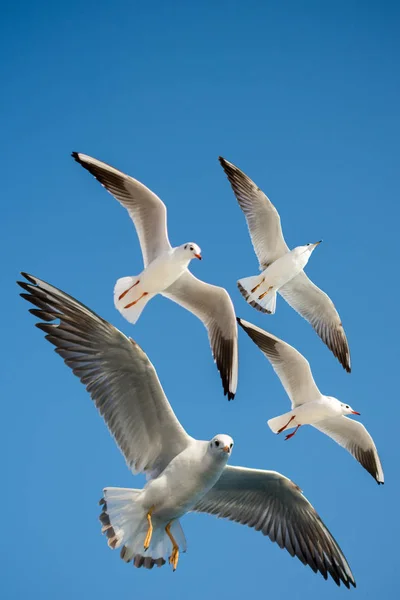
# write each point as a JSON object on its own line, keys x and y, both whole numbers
{"x": 25, "y": 286}
{"x": 226, "y": 165}
{"x": 75, "y": 156}
{"x": 345, "y": 362}
{"x": 240, "y": 322}
{"x": 227, "y": 392}
{"x": 30, "y": 278}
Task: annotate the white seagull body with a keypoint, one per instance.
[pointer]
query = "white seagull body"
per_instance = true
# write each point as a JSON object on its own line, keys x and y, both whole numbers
{"x": 166, "y": 270}
{"x": 309, "y": 406}
{"x": 300, "y": 292}
{"x": 184, "y": 474}
{"x": 131, "y": 294}
{"x": 260, "y": 290}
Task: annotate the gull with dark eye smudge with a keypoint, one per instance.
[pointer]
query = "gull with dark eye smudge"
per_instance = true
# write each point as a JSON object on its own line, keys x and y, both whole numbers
{"x": 309, "y": 406}
{"x": 166, "y": 270}
{"x": 264, "y": 224}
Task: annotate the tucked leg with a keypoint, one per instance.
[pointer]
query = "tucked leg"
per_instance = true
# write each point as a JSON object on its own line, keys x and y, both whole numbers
{"x": 290, "y": 435}
{"x": 265, "y": 293}
{"x": 126, "y": 291}
{"x": 136, "y": 301}
{"x": 149, "y": 530}
{"x": 173, "y": 559}
{"x": 287, "y": 424}
{"x": 258, "y": 285}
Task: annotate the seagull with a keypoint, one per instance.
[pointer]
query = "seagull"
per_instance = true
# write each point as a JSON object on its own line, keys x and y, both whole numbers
{"x": 260, "y": 290}
{"x": 166, "y": 270}
{"x": 183, "y": 474}
{"x": 301, "y": 293}
{"x": 309, "y": 406}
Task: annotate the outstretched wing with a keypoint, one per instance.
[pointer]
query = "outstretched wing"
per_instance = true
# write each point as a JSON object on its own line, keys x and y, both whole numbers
{"x": 291, "y": 367}
{"x": 263, "y": 220}
{"x": 147, "y": 211}
{"x": 353, "y": 436}
{"x": 116, "y": 372}
{"x": 318, "y": 309}
{"x": 274, "y": 505}
{"x": 212, "y": 305}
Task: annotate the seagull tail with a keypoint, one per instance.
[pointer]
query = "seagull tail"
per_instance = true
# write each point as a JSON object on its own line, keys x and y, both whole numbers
{"x": 278, "y": 422}
{"x": 252, "y": 288}
{"x": 128, "y": 292}
{"x": 124, "y": 521}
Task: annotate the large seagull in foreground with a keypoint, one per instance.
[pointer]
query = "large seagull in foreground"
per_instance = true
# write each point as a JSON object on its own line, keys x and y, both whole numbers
{"x": 184, "y": 474}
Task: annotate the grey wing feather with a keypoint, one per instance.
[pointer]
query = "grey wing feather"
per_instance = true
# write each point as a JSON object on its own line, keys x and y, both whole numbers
{"x": 262, "y": 218}
{"x": 147, "y": 211}
{"x": 116, "y": 372}
{"x": 274, "y": 505}
{"x": 291, "y": 367}
{"x": 318, "y": 309}
{"x": 213, "y": 306}
{"x": 353, "y": 436}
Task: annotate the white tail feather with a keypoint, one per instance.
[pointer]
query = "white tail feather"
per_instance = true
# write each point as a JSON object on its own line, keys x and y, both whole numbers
{"x": 267, "y": 304}
{"x": 278, "y": 422}
{"x": 133, "y": 313}
{"x": 125, "y": 524}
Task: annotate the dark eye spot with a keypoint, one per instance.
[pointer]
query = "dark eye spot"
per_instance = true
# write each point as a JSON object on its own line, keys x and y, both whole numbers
{"x": 191, "y": 247}
{"x": 217, "y": 443}
{"x": 231, "y": 445}
{"x": 347, "y": 406}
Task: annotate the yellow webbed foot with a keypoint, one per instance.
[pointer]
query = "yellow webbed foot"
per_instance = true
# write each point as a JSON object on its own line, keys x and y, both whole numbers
{"x": 149, "y": 533}
{"x": 173, "y": 559}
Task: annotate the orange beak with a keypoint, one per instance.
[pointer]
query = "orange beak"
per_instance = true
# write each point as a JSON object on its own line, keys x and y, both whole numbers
{"x": 225, "y": 449}
{"x": 354, "y": 412}
{"x": 198, "y": 256}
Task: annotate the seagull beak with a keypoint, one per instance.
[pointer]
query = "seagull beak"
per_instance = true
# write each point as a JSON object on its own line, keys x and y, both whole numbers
{"x": 198, "y": 256}
{"x": 317, "y": 243}
{"x": 226, "y": 449}
{"x": 354, "y": 412}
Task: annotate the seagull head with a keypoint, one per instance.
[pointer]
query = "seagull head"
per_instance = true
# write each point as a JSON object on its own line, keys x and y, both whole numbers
{"x": 191, "y": 250}
{"x": 221, "y": 446}
{"x": 311, "y": 247}
{"x": 304, "y": 252}
{"x": 347, "y": 410}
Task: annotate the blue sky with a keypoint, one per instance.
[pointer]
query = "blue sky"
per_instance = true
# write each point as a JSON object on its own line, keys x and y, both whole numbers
{"x": 305, "y": 98}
